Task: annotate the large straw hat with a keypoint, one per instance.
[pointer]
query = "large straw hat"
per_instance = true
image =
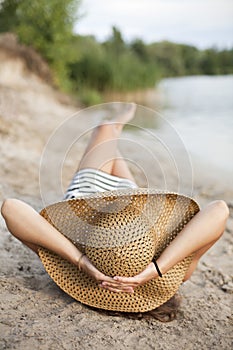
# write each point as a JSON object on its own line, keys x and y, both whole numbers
{"x": 120, "y": 232}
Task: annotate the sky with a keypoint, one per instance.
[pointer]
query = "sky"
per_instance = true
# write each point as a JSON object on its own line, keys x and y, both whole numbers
{"x": 202, "y": 23}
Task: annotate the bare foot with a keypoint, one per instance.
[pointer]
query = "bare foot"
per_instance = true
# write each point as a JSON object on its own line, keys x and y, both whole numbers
{"x": 119, "y": 115}
{"x": 128, "y": 114}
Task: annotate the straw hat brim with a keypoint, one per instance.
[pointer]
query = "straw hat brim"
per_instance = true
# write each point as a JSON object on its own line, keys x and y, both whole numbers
{"x": 121, "y": 232}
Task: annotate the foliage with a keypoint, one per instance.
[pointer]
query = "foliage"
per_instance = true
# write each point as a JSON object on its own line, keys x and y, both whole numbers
{"x": 86, "y": 67}
{"x": 89, "y": 97}
{"x": 45, "y": 25}
{"x": 112, "y": 65}
{"x": 179, "y": 59}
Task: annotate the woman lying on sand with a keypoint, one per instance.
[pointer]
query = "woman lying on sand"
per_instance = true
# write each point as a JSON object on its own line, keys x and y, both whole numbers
{"x": 102, "y": 158}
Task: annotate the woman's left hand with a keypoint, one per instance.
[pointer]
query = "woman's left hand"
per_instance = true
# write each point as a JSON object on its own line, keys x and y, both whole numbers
{"x": 128, "y": 284}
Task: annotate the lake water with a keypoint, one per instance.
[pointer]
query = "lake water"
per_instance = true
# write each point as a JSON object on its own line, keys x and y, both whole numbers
{"x": 193, "y": 126}
{"x": 200, "y": 108}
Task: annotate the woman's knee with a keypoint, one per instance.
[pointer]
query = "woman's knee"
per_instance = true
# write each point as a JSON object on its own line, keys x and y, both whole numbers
{"x": 220, "y": 209}
{"x": 8, "y": 206}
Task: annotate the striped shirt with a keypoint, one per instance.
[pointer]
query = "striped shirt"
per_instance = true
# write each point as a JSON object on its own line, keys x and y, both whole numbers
{"x": 88, "y": 181}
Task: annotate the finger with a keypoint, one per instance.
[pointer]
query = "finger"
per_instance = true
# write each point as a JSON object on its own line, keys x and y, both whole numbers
{"x": 111, "y": 280}
{"x": 108, "y": 279}
{"x": 104, "y": 278}
{"x": 123, "y": 280}
{"x": 118, "y": 285}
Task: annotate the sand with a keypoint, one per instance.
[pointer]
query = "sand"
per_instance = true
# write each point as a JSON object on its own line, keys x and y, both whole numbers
{"x": 35, "y": 313}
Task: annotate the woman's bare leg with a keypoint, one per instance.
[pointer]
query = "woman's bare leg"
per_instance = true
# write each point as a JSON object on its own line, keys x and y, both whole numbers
{"x": 31, "y": 228}
{"x": 102, "y": 152}
{"x": 121, "y": 169}
{"x": 205, "y": 228}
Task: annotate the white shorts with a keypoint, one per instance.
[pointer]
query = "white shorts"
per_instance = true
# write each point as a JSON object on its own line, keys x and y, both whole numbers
{"x": 89, "y": 181}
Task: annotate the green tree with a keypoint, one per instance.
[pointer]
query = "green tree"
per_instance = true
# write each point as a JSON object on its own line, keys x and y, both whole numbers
{"x": 168, "y": 57}
{"x": 140, "y": 49}
{"x": 225, "y": 59}
{"x": 115, "y": 44}
{"x": 8, "y": 18}
{"x": 190, "y": 56}
{"x": 45, "y": 25}
{"x": 92, "y": 72}
{"x": 209, "y": 62}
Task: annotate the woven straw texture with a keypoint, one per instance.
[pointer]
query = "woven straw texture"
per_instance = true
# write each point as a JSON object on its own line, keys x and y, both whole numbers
{"x": 120, "y": 232}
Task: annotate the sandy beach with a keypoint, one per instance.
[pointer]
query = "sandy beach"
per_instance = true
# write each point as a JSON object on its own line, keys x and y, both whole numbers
{"x": 35, "y": 313}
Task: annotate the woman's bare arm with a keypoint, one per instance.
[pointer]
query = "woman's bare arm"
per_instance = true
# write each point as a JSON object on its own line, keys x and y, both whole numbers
{"x": 198, "y": 235}
{"x": 196, "y": 238}
{"x": 34, "y": 231}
